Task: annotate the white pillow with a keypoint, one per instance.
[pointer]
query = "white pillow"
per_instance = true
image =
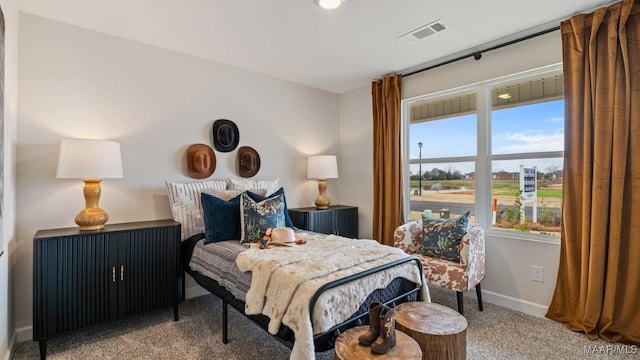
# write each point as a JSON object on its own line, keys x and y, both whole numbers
{"x": 227, "y": 195}
{"x": 184, "y": 200}
{"x": 247, "y": 184}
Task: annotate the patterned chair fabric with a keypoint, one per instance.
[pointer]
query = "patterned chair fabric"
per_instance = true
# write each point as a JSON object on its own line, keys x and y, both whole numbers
{"x": 461, "y": 276}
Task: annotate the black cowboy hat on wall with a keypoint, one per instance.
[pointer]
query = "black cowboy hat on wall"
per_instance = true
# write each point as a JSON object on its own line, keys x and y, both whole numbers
{"x": 225, "y": 135}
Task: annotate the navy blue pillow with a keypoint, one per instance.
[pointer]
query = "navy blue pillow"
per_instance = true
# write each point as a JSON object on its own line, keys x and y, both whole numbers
{"x": 257, "y": 198}
{"x": 221, "y": 218}
{"x": 256, "y": 218}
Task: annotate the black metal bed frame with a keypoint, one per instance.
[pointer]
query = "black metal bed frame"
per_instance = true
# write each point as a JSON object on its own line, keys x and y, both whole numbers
{"x": 357, "y": 319}
{"x": 325, "y": 340}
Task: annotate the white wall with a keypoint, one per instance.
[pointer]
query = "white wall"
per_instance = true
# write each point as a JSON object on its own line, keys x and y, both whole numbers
{"x": 356, "y": 156}
{"x": 508, "y": 279}
{"x": 7, "y": 260}
{"x": 80, "y": 83}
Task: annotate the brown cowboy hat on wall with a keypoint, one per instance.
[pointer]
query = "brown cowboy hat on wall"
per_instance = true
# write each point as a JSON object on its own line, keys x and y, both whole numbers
{"x": 201, "y": 161}
{"x": 248, "y": 161}
{"x": 225, "y": 135}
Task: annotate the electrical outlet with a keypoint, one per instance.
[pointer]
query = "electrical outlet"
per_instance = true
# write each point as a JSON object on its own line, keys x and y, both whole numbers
{"x": 537, "y": 273}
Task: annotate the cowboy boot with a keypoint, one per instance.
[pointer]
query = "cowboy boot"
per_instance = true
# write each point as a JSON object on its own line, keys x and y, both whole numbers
{"x": 374, "y": 324}
{"x": 387, "y": 338}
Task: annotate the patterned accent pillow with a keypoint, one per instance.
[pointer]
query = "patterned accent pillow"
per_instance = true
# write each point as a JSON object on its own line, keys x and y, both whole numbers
{"x": 247, "y": 184}
{"x": 441, "y": 237}
{"x": 221, "y": 218}
{"x": 257, "y": 197}
{"x": 257, "y": 217}
{"x": 184, "y": 200}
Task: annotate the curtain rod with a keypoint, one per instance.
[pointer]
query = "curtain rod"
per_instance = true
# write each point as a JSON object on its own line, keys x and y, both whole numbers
{"x": 478, "y": 54}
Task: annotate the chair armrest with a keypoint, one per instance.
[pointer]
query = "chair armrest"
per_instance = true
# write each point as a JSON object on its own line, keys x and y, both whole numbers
{"x": 408, "y": 237}
{"x": 472, "y": 253}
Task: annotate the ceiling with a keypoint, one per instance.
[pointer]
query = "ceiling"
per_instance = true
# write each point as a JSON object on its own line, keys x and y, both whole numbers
{"x": 333, "y": 50}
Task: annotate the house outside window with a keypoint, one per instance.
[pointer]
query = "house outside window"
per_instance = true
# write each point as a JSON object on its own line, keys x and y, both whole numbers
{"x": 494, "y": 149}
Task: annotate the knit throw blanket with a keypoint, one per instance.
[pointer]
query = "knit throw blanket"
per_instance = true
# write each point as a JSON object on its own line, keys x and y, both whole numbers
{"x": 284, "y": 279}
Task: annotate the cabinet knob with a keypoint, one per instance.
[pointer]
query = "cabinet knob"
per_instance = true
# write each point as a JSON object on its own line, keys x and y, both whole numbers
{"x": 121, "y": 272}
{"x": 113, "y": 273}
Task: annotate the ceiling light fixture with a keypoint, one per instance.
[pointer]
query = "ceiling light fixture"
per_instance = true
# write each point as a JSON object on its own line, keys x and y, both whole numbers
{"x": 505, "y": 96}
{"x": 329, "y": 4}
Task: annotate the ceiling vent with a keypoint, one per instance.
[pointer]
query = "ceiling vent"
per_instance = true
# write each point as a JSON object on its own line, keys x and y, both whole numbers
{"x": 423, "y": 32}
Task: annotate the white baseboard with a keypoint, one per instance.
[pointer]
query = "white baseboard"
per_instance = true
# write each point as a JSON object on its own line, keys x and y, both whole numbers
{"x": 512, "y": 303}
{"x": 8, "y": 355}
{"x": 19, "y": 335}
{"x": 24, "y": 333}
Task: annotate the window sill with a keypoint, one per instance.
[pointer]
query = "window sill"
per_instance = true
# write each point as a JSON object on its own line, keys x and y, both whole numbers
{"x": 522, "y": 236}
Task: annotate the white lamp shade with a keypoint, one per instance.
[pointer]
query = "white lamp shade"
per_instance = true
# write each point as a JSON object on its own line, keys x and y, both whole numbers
{"x": 322, "y": 167}
{"x": 84, "y": 159}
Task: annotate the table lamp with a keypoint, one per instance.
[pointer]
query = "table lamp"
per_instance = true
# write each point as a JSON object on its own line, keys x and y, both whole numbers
{"x": 91, "y": 161}
{"x": 322, "y": 167}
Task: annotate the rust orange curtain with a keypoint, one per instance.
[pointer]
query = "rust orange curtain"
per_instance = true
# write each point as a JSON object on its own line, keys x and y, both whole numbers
{"x": 598, "y": 286}
{"x": 387, "y": 158}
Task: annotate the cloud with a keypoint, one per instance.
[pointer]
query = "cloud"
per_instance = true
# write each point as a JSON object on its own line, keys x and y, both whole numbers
{"x": 526, "y": 142}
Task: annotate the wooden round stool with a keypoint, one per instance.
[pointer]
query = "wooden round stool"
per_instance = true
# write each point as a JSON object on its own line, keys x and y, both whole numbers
{"x": 440, "y": 331}
{"x": 348, "y": 348}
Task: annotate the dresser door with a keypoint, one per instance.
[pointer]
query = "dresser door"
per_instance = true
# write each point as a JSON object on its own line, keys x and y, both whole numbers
{"x": 322, "y": 221}
{"x": 147, "y": 270}
{"x": 72, "y": 283}
{"x": 345, "y": 222}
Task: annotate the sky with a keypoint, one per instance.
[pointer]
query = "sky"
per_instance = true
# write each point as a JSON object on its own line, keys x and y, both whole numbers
{"x": 520, "y": 129}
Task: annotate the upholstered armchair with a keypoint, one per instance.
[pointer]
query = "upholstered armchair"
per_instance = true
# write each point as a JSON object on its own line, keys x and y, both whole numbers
{"x": 459, "y": 276}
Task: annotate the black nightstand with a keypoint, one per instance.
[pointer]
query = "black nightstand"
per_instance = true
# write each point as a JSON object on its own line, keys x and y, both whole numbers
{"x": 337, "y": 219}
{"x": 83, "y": 278}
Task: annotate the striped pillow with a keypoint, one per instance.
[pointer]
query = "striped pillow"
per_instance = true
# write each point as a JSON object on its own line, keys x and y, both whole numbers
{"x": 248, "y": 184}
{"x": 184, "y": 200}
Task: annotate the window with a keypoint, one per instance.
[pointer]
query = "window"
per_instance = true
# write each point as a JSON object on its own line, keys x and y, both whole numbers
{"x": 442, "y": 170}
{"x": 495, "y": 149}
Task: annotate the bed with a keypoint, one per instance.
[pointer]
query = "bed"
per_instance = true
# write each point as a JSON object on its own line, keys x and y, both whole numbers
{"x": 334, "y": 278}
{"x": 213, "y": 267}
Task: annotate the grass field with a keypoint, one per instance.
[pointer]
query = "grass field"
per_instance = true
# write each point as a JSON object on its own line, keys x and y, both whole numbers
{"x": 550, "y": 193}
{"x": 546, "y": 188}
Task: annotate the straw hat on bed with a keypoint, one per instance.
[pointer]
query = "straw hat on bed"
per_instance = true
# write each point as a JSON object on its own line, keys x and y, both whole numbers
{"x": 283, "y": 235}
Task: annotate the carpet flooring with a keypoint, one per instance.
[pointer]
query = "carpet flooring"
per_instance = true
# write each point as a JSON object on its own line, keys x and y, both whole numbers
{"x": 495, "y": 333}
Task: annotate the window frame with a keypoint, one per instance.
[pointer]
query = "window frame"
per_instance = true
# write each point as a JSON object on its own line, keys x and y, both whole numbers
{"x": 483, "y": 157}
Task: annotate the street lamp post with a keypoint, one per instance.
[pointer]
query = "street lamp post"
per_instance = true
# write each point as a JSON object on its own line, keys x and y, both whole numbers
{"x": 420, "y": 169}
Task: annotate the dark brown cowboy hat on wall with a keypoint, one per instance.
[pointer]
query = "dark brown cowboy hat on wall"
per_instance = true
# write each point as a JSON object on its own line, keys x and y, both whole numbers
{"x": 225, "y": 135}
{"x": 248, "y": 161}
{"x": 201, "y": 161}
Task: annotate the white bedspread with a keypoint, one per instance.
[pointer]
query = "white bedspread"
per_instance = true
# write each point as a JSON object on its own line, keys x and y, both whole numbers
{"x": 285, "y": 278}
